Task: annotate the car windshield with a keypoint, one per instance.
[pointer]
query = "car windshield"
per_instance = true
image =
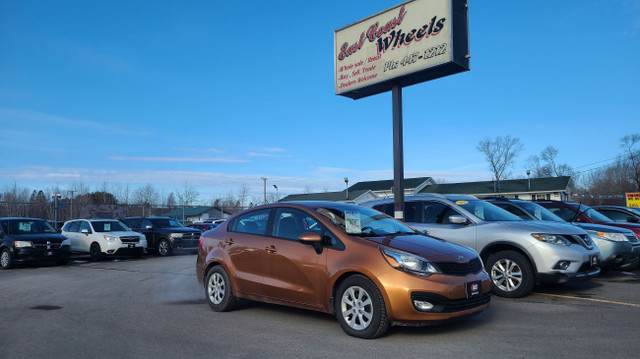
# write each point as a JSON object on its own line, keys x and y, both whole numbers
{"x": 109, "y": 226}
{"x": 27, "y": 226}
{"x": 487, "y": 211}
{"x": 540, "y": 212}
{"x": 361, "y": 221}
{"x": 595, "y": 215}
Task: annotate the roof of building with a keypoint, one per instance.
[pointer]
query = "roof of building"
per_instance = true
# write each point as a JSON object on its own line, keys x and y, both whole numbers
{"x": 549, "y": 184}
{"x": 386, "y": 185}
{"x": 325, "y": 196}
{"x": 189, "y": 211}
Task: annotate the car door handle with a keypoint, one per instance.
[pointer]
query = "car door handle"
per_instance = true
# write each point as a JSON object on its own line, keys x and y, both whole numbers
{"x": 229, "y": 241}
{"x": 271, "y": 249}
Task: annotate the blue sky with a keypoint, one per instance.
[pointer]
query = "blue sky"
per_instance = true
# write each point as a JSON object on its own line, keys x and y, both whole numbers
{"x": 219, "y": 94}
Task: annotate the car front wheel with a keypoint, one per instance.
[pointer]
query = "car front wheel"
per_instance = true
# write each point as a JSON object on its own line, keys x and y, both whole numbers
{"x": 360, "y": 308}
{"x": 511, "y": 274}
{"x": 6, "y": 261}
{"x": 95, "y": 252}
{"x": 218, "y": 290}
{"x": 164, "y": 248}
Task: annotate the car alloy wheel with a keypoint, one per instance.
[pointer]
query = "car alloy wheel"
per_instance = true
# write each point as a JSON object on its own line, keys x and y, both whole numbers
{"x": 95, "y": 252}
{"x": 511, "y": 274}
{"x": 360, "y": 308}
{"x": 5, "y": 259}
{"x": 218, "y": 291}
{"x": 164, "y": 248}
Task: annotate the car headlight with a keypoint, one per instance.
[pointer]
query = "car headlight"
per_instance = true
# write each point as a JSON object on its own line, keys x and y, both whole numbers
{"x": 616, "y": 237}
{"x": 22, "y": 244}
{"x": 110, "y": 238}
{"x": 551, "y": 238}
{"x": 176, "y": 235}
{"x": 408, "y": 262}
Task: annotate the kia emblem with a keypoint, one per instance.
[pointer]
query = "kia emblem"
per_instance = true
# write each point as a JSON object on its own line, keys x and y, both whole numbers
{"x": 460, "y": 258}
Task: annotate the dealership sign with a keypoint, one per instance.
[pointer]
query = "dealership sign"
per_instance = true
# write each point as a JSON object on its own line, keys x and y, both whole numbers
{"x": 413, "y": 42}
{"x": 633, "y": 199}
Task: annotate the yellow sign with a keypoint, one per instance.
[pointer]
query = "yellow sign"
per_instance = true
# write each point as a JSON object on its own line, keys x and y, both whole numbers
{"x": 633, "y": 199}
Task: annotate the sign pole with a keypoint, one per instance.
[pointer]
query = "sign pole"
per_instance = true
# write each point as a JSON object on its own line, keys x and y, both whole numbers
{"x": 398, "y": 156}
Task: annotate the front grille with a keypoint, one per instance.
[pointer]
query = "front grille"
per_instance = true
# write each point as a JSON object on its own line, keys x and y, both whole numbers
{"x": 443, "y": 304}
{"x": 130, "y": 239}
{"x": 46, "y": 246}
{"x": 632, "y": 238}
{"x": 460, "y": 269}
{"x": 191, "y": 235}
{"x": 581, "y": 239}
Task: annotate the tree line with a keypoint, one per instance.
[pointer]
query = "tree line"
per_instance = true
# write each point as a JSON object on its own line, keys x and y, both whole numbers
{"x": 619, "y": 177}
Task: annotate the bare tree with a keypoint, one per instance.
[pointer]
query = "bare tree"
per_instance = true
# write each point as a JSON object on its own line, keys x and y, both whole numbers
{"x": 633, "y": 156}
{"x": 243, "y": 194}
{"x": 146, "y": 196}
{"x": 188, "y": 195}
{"x": 501, "y": 154}
{"x": 308, "y": 189}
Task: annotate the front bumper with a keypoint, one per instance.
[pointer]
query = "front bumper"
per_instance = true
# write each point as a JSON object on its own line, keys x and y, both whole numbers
{"x": 31, "y": 254}
{"x": 579, "y": 262}
{"x": 615, "y": 254}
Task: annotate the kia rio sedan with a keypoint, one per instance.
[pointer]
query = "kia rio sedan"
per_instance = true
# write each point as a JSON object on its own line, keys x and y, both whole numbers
{"x": 364, "y": 267}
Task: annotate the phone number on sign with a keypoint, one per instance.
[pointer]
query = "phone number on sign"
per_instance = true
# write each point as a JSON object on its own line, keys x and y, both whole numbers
{"x": 413, "y": 58}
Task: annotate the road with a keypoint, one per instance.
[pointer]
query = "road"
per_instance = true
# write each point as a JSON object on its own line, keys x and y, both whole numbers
{"x": 154, "y": 308}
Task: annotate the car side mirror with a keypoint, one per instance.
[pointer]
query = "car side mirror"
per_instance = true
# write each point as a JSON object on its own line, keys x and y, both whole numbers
{"x": 633, "y": 219}
{"x": 312, "y": 238}
{"x": 86, "y": 231}
{"x": 149, "y": 227}
{"x": 457, "y": 219}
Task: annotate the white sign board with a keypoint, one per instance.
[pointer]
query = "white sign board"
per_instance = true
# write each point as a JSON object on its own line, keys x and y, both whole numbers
{"x": 415, "y": 41}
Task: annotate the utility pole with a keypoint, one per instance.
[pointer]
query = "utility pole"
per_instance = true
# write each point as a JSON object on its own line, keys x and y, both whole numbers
{"x": 265, "y": 188}
{"x": 72, "y": 192}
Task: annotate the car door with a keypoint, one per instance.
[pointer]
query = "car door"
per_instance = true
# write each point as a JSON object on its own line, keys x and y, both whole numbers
{"x": 294, "y": 272}
{"x": 433, "y": 216}
{"x": 85, "y": 239}
{"x": 245, "y": 245}
{"x": 72, "y": 231}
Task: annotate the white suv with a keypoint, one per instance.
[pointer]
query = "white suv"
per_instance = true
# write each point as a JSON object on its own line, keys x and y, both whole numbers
{"x": 100, "y": 237}
{"x": 516, "y": 254}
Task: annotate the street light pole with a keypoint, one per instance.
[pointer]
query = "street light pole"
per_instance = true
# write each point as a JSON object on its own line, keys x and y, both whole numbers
{"x": 277, "y": 195}
{"x": 265, "y": 188}
{"x": 346, "y": 183}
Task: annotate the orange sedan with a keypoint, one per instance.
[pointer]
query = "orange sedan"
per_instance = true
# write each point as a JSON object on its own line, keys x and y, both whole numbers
{"x": 365, "y": 267}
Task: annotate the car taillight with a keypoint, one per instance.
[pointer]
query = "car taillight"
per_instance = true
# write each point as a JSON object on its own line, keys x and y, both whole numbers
{"x": 201, "y": 240}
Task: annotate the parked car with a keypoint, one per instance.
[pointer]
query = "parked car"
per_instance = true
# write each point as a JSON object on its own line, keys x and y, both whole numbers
{"x": 365, "y": 267}
{"x": 24, "y": 240}
{"x": 516, "y": 254}
{"x": 618, "y": 246}
{"x": 578, "y": 212}
{"x": 203, "y": 226}
{"x": 619, "y": 213}
{"x": 103, "y": 237}
{"x": 164, "y": 235}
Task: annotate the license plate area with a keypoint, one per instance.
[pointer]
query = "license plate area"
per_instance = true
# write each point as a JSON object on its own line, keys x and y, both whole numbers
{"x": 594, "y": 260}
{"x": 473, "y": 289}
{"x": 132, "y": 245}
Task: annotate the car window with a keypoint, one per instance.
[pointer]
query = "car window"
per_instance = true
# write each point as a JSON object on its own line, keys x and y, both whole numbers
{"x": 72, "y": 226}
{"x": 132, "y": 222}
{"x": 596, "y": 216}
{"x": 291, "y": 223}
{"x": 360, "y": 221}
{"x": 487, "y": 211}
{"x": 28, "y": 226}
{"x": 146, "y": 223}
{"x": 563, "y": 212}
{"x": 165, "y": 223}
{"x": 85, "y": 225}
{"x": 515, "y": 210}
{"x": 254, "y": 222}
{"x": 614, "y": 215}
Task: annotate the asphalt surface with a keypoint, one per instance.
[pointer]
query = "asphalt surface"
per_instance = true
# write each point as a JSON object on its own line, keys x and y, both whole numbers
{"x": 154, "y": 308}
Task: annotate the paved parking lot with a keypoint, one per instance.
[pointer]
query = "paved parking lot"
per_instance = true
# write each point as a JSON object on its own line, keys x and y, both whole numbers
{"x": 154, "y": 307}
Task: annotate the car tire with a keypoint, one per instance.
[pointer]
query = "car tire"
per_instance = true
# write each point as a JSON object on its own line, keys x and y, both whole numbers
{"x": 95, "y": 252}
{"x": 6, "y": 260}
{"x": 218, "y": 290}
{"x": 360, "y": 308}
{"x": 164, "y": 247}
{"x": 62, "y": 262}
{"x": 511, "y": 274}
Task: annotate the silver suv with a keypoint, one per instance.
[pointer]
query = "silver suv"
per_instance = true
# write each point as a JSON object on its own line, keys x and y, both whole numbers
{"x": 517, "y": 254}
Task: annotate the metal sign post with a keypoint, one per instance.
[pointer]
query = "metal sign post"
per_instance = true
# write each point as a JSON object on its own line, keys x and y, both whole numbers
{"x": 398, "y": 156}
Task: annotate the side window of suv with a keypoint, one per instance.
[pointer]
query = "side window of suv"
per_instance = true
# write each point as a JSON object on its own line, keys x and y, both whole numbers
{"x": 434, "y": 212}
{"x": 562, "y": 212}
{"x": 72, "y": 226}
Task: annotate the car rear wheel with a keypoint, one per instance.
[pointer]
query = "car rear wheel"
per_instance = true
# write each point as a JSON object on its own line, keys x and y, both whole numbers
{"x": 511, "y": 274}
{"x": 95, "y": 252}
{"x": 218, "y": 290}
{"x": 360, "y": 308}
{"x": 164, "y": 248}
{"x": 6, "y": 261}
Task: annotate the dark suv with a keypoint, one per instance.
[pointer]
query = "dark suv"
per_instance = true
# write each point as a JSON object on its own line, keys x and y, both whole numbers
{"x": 25, "y": 240}
{"x": 164, "y": 234}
